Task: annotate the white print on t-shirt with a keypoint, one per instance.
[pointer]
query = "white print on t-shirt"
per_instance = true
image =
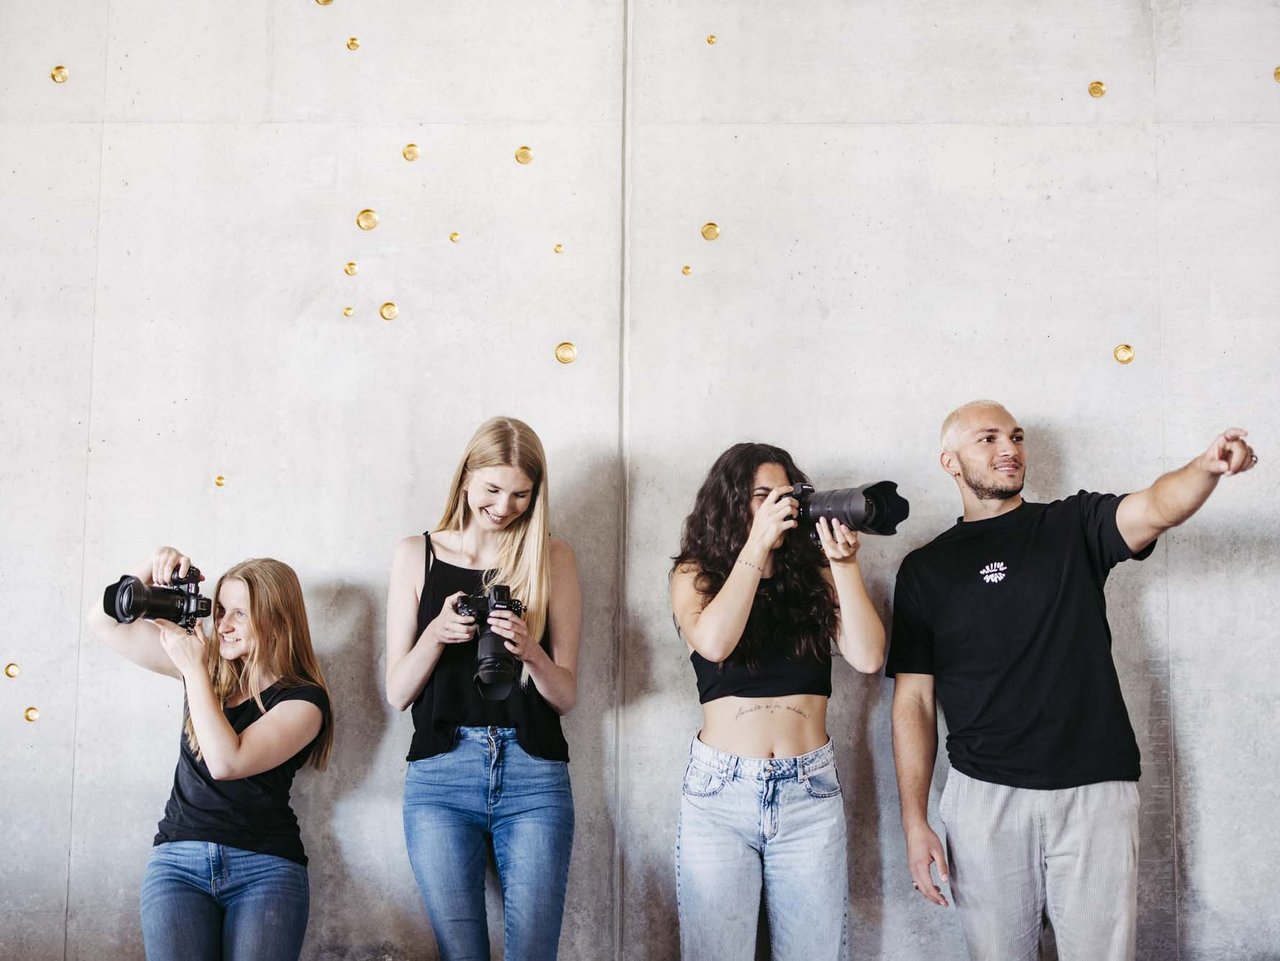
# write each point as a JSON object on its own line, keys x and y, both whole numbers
{"x": 994, "y": 572}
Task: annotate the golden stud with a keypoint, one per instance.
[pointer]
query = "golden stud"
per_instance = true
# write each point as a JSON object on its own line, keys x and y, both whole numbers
{"x": 348, "y": 311}
{"x": 1277, "y": 74}
{"x": 12, "y": 670}
{"x": 1123, "y": 354}
{"x": 389, "y": 311}
{"x": 324, "y": 3}
{"x": 524, "y": 155}
{"x": 566, "y": 352}
{"x": 59, "y": 74}
{"x": 350, "y": 269}
{"x": 558, "y": 248}
{"x": 686, "y": 270}
{"x": 32, "y": 714}
{"x": 1097, "y": 89}
{"x": 353, "y": 43}
{"x": 411, "y": 151}
{"x": 219, "y": 481}
{"x": 454, "y": 237}
{"x": 710, "y": 231}
{"x": 367, "y": 219}
{"x": 711, "y": 39}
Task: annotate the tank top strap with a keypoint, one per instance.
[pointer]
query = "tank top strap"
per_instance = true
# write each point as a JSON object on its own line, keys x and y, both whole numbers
{"x": 430, "y": 556}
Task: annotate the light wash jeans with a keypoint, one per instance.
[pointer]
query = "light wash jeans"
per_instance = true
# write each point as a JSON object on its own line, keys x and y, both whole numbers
{"x": 489, "y": 787}
{"x": 747, "y": 822}
{"x": 209, "y": 902}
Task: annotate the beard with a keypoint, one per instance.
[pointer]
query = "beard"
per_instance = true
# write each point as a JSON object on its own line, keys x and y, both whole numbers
{"x": 986, "y": 492}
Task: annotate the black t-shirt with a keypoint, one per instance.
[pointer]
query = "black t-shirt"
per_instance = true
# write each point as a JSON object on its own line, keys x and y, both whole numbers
{"x": 251, "y": 813}
{"x": 1009, "y": 616}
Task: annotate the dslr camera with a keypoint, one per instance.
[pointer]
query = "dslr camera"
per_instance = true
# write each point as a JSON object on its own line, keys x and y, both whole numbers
{"x": 497, "y": 669}
{"x": 129, "y": 599}
{"x": 872, "y": 508}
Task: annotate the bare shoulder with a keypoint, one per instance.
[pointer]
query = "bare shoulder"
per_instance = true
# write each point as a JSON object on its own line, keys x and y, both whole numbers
{"x": 411, "y": 548}
{"x": 560, "y": 552}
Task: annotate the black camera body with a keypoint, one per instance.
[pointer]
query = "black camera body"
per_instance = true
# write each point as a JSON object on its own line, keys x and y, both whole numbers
{"x": 872, "y": 508}
{"x": 497, "y": 669}
{"x": 129, "y": 599}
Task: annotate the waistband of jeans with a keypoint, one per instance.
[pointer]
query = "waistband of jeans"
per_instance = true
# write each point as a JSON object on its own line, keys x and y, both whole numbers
{"x": 733, "y": 765}
{"x": 485, "y": 733}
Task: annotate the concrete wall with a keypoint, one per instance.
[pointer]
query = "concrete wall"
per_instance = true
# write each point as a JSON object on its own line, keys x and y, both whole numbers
{"x": 919, "y": 203}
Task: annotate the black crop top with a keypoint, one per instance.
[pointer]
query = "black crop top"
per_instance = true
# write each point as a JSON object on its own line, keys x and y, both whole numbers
{"x": 777, "y": 675}
{"x": 450, "y": 699}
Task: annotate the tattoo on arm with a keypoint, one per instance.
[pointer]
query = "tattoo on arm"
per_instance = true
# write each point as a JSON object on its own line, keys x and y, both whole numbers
{"x": 772, "y": 709}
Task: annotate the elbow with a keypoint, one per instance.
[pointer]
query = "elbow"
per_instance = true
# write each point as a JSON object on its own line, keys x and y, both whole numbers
{"x": 398, "y": 700}
{"x": 220, "y": 770}
{"x": 867, "y": 663}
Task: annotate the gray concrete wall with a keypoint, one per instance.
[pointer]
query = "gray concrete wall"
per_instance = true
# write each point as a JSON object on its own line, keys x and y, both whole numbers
{"x": 919, "y": 203}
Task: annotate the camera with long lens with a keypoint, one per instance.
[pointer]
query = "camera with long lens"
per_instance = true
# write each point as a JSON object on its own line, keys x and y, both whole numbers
{"x": 872, "y": 508}
{"x": 129, "y": 599}
{"x": 497, "y": 669}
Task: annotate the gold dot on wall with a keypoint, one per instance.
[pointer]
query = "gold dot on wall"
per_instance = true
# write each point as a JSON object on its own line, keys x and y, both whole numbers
{"x": 686, "y": 270}
{"x": 524, "y": 155}
{"x": 353, "y": 43}
{"x": 411, "y": 151}
{"x": 59, "y": 74}
{"x": 711, "y": 39}
{"x": 389, "y": 311}
{"x": 12, "y": 670}
{"x": 350, "y": 268}
{"x": 1097, "y": 89}
{"x": 710, "y": 231}
{"x": 455, "y": 237}
{"x": 566, "y": 352}
{"x": 324, "y": 3}
{"x": 32, "y": 714}
{"x": 220, "y": 481}
{"x": 1123, "y": 353}
{"x": 348, "y": 311}
{"x": 1277, "y": 74}
{"x": 558, "y": 248}
{"x": 367, "y": 219}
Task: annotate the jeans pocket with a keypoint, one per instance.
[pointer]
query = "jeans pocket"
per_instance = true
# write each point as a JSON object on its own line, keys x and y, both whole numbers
{"x": 824, "y": 783}
{"x": 702, "y": 781}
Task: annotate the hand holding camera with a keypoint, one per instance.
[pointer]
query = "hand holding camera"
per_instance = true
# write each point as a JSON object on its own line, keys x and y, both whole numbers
{"x": 496, "y": 665}
{"x": 774, "y": 517}
{"x": 451, "y": 626}
{"x": 150, "y": 598}
{"x": 839, "y": 543}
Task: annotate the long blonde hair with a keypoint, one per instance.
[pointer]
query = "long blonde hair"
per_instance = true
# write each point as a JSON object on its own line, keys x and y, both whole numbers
{"x": 523, "y": 551}
{"x": 283, "y": 649}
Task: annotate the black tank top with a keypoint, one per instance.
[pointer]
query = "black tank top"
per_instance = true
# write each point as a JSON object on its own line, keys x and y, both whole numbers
{"x": 450, "y": 699}
{"x": 777, "y": 674}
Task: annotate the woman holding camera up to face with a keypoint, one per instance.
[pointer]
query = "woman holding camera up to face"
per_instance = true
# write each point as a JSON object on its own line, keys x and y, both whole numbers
{"x": 227, "y": 877}
{"x": 760, "y": 607}
{"x": 488, "y": 681}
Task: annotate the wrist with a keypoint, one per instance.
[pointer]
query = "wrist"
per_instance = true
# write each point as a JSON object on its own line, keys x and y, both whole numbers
{"x": 754, "y": 554}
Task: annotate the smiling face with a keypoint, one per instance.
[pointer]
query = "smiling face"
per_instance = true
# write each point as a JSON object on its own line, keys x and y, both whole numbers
{"x": 497, "y": 496}
{"x": 767, "y": 477}
{"x": 236, "y": 637}
{"x": 984, "y": 451}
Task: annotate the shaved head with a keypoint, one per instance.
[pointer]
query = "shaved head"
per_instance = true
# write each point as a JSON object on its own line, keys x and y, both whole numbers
{"x": 953, "y": 426}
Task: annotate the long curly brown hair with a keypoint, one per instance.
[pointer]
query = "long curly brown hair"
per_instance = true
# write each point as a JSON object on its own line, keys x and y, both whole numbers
{"x": 797, "y": 603}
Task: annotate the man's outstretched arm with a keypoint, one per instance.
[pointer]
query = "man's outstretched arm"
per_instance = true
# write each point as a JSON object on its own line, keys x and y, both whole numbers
{"x": 1174, "y": 497}
{"x": 915, "y": 745}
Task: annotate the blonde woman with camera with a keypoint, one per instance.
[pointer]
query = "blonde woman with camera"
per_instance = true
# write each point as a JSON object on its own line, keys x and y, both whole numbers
{"x": 488, "y": 762}
{"x": 227, "y": 877}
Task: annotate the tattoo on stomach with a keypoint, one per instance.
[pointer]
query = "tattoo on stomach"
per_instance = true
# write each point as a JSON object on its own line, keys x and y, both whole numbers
{"x": 771, "y": 708}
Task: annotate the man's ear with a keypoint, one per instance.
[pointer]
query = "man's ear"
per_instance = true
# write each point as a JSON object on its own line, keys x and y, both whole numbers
{"x": 950, "y": 463}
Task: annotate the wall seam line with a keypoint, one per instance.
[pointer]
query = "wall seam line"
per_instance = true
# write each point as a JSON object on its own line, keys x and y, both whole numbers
{"x": 624, "y": 468}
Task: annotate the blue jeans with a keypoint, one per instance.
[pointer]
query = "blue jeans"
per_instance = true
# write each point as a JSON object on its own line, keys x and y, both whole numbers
{"x": 208, "y": 902}
{"x": 752, "y": 822}
{"x": 487, "y": 787}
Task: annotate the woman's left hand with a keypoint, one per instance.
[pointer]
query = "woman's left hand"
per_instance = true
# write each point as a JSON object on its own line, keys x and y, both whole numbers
{"x": 186, "y": 647}
{"x": 839, "y": 543}
{"x": 511, "y": 627}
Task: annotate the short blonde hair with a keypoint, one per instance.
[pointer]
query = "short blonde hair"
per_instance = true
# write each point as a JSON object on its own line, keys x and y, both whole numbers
{"x": 950, "y": 426}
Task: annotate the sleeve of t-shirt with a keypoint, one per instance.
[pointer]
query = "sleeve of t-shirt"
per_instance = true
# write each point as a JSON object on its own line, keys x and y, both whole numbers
{"x": 307, "y": 692}
{"x": 1106, "y": 544}
{"x": 911, "y": 643}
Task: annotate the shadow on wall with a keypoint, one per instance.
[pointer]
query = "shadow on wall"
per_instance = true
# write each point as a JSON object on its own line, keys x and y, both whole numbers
{"x": 344, "y": 622}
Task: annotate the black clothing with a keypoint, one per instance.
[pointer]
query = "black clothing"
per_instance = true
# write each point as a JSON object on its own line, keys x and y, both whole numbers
{"x": 1010, "y": 617}
{"x": 777, "y": 675}
{"x": 251, "y": 813}
{"x": 450, "y": 699}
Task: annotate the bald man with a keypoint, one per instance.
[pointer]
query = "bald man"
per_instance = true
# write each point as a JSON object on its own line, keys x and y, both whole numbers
{"x": 1002, "y": 619}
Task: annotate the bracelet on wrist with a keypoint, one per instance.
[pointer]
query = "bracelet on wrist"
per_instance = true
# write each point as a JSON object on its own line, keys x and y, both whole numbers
{"x": 754, "y": 567}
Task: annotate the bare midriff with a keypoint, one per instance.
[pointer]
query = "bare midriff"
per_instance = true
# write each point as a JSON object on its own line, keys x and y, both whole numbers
{"x": 765, "y": 726}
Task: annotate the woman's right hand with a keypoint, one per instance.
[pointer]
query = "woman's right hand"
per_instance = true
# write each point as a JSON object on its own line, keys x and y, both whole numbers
{"x": 774, "y": 517}
{"x": 165, "y": 562}
{"x": 450, "y": 627}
